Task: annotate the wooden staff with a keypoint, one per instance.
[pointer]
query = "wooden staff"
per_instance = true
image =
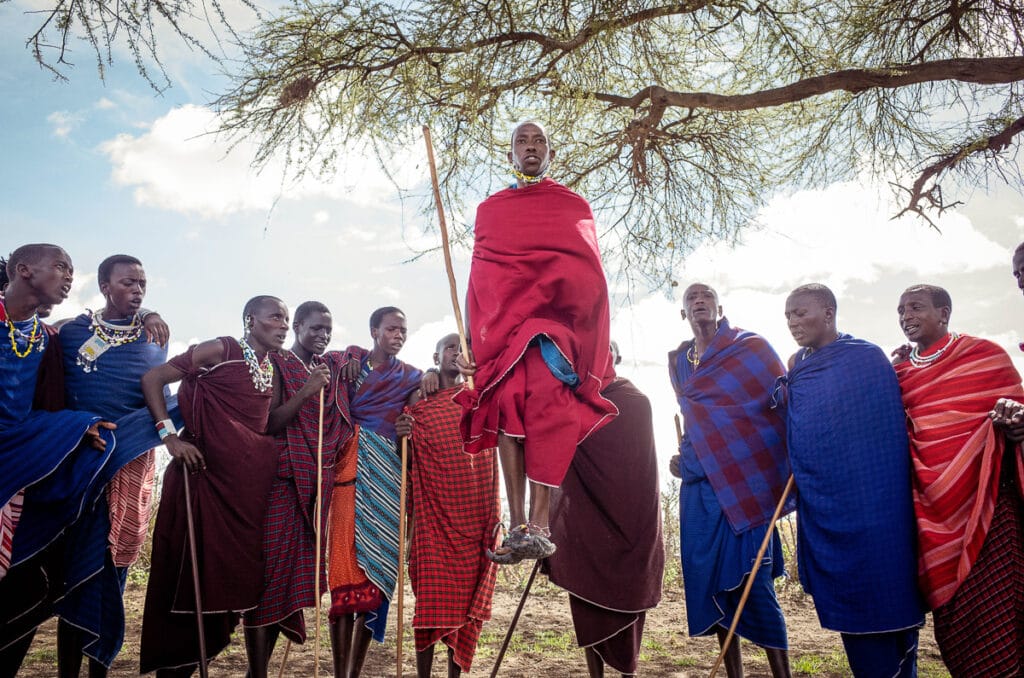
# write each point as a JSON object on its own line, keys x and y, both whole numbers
{"x": 750, "y": 578}
{"x": 284, "y": 659}
{"x": 515, "y": 619}
{"x": 401, "y": 553}
{"x": 318, "y": 514}
{"x": 195, "y": 576}
{"x": 679, "y": 431}
{"x": 447, "y": 252}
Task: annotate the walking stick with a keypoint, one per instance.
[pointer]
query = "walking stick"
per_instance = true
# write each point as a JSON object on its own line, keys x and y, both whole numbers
{"x": 401, "y": 553}
{"x": 195, "y": 576}
{"x": 515, "y": 620}
{"x": 447, "y": 251}
{"x": 317, "y": 517}
{"x": 284, "y": 659}
{"x": 750, "y": 577}
{"x": 679, "y": 432}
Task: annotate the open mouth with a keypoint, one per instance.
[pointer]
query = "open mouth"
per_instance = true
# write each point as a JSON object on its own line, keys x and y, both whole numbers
{"x": 910, "y": 329}
{"x": 65, "y": 290}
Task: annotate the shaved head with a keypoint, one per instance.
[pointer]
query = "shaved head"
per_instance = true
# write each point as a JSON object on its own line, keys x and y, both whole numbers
{"x": 30, "y": 254}
{"x": 822, "y": 294}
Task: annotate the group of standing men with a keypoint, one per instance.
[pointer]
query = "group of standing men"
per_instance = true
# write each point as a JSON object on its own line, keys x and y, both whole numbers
{"x": 236, "y": 528}
{"x": 908, "y": 483}
{"x": 907, "y": 474}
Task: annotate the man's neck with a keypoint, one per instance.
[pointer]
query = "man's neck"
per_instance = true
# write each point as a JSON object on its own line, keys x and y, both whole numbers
{"x": 378, "y": 356}
{"x": 302, "y": 354}
{"x": 21, "y": 303}
{"x": 703, "y": 334}
{"x": 448, "y": 380}
{"x": 111, "y": 313}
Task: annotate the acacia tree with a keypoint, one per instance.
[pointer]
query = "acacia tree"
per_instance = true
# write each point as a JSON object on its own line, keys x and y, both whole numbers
{"x": 677, "y": 121}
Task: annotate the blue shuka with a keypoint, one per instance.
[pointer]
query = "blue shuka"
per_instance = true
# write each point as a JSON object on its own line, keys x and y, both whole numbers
{"x": 848, "y": 448}
{"x": 734, "y": 467}
{"x": 42, "y": 454}
{"x": 111, "y": 389}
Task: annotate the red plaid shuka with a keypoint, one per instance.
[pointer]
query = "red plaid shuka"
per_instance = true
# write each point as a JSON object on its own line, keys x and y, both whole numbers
{"x": 979, "y": 631}
{"x": 456, "y": 509}
{"x": 289, "y": 539}
{"x": 957, "y": 455}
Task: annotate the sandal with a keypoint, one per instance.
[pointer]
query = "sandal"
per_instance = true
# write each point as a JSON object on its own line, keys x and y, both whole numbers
{"x": 522, "y": 543}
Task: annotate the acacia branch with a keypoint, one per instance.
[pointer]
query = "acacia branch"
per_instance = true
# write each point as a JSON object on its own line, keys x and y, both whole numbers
{"x": 927, "y": 189}
{"x": 980, "y": 71}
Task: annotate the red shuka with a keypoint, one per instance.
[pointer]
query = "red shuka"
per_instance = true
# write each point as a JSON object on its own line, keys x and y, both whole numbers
{"x": 957, "y": 455}
{"x": 536, "y": 270}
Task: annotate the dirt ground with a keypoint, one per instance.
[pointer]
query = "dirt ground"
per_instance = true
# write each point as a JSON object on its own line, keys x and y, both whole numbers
{"x": 544, "y": 643}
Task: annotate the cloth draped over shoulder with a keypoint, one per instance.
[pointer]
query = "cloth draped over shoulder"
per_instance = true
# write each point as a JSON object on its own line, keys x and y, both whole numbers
{"x": 850, "y": 457}
{"x": 289, "y": 541}
{"x": 114, "y": 392}
{"x": 64, "y": 519}
{"x": 225, "y": 418}
{"x": 957, "y": 456}
{"x": 373, "y": 406}
{"x": 739, "y": 439}
{"x": 455, "y": 514}
{"x": 536, "y": 270}
{"x": 606, "y": 520}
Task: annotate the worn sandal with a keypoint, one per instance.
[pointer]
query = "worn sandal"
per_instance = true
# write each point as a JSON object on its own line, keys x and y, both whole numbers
{"x": 523, "y": 542}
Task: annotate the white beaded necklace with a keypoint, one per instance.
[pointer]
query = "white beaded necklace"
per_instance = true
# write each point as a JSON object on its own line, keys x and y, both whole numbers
{"x": 917, "y": 360}
{"x": 262, "y": 373}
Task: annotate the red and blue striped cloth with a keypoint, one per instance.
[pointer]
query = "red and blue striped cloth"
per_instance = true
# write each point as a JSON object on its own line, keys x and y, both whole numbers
{"x": 739, "y": 439}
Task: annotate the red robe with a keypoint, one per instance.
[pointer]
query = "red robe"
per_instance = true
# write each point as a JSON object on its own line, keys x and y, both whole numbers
{"x": 536, "y": 270}
{"x": 957, "y": 456}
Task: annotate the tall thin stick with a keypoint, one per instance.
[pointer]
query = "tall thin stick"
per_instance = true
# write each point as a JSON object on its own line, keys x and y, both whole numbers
{"x": 447, "y": 252}
{"x": 679, "y": 431}
{"x": 317, "y": 513}
{"x": 750, "y": 578}
{"x": 401, "y": 554}
{"x": 195, "y": 575}
{"x": 515, "y": 619}
{"x": 284, "y": 659}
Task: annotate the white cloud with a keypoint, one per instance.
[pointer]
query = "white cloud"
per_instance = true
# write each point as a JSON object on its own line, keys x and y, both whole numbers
{"x": 104, "y": 104}
{"x": 63, "y": 122}
{"x": 179, "y": 163}
{"x": 837, "y": 236}
{"x": 321, "y": 217}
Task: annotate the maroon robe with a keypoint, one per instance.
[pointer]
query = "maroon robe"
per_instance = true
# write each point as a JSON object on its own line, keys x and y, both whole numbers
{"x": 225, "y": 417}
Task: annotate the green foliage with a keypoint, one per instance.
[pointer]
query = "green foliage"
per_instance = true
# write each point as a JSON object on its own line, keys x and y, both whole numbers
{"x": 677, "y": 121}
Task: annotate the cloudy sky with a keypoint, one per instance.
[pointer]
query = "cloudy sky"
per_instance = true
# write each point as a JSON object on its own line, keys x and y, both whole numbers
{"x": 107, "y": 167}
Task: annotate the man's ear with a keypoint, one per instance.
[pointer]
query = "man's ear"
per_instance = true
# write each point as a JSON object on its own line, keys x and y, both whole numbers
{"x": 682, "y": 313}
{"x": 437, "y": 360}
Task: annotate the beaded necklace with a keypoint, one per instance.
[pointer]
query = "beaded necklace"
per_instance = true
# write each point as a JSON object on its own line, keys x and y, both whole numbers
{"x": 105, "y": 336}
{"x": 692, "y": 357}
{"x": 35, "y": 337}
{"x": 262, "y": 373}
{"x": 528, "y": 178}
{"x": 917, "y": 360}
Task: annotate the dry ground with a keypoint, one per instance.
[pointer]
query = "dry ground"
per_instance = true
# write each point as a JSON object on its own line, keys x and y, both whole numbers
{"x": 544, "y": 644}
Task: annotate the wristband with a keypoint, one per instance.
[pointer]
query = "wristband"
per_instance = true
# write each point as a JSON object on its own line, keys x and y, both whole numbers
{"x": 164, "y": 428}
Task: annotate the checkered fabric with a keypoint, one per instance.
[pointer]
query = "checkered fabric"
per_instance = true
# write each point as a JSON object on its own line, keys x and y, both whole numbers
{"x": 738, "y": 437}
{"x": 289, "y": 540}
{"x": 980, "y": 631}
{"x": 456, "y": 509}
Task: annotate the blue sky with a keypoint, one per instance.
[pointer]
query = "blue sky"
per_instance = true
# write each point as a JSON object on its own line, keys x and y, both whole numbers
{"x": 105, "y": 167}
